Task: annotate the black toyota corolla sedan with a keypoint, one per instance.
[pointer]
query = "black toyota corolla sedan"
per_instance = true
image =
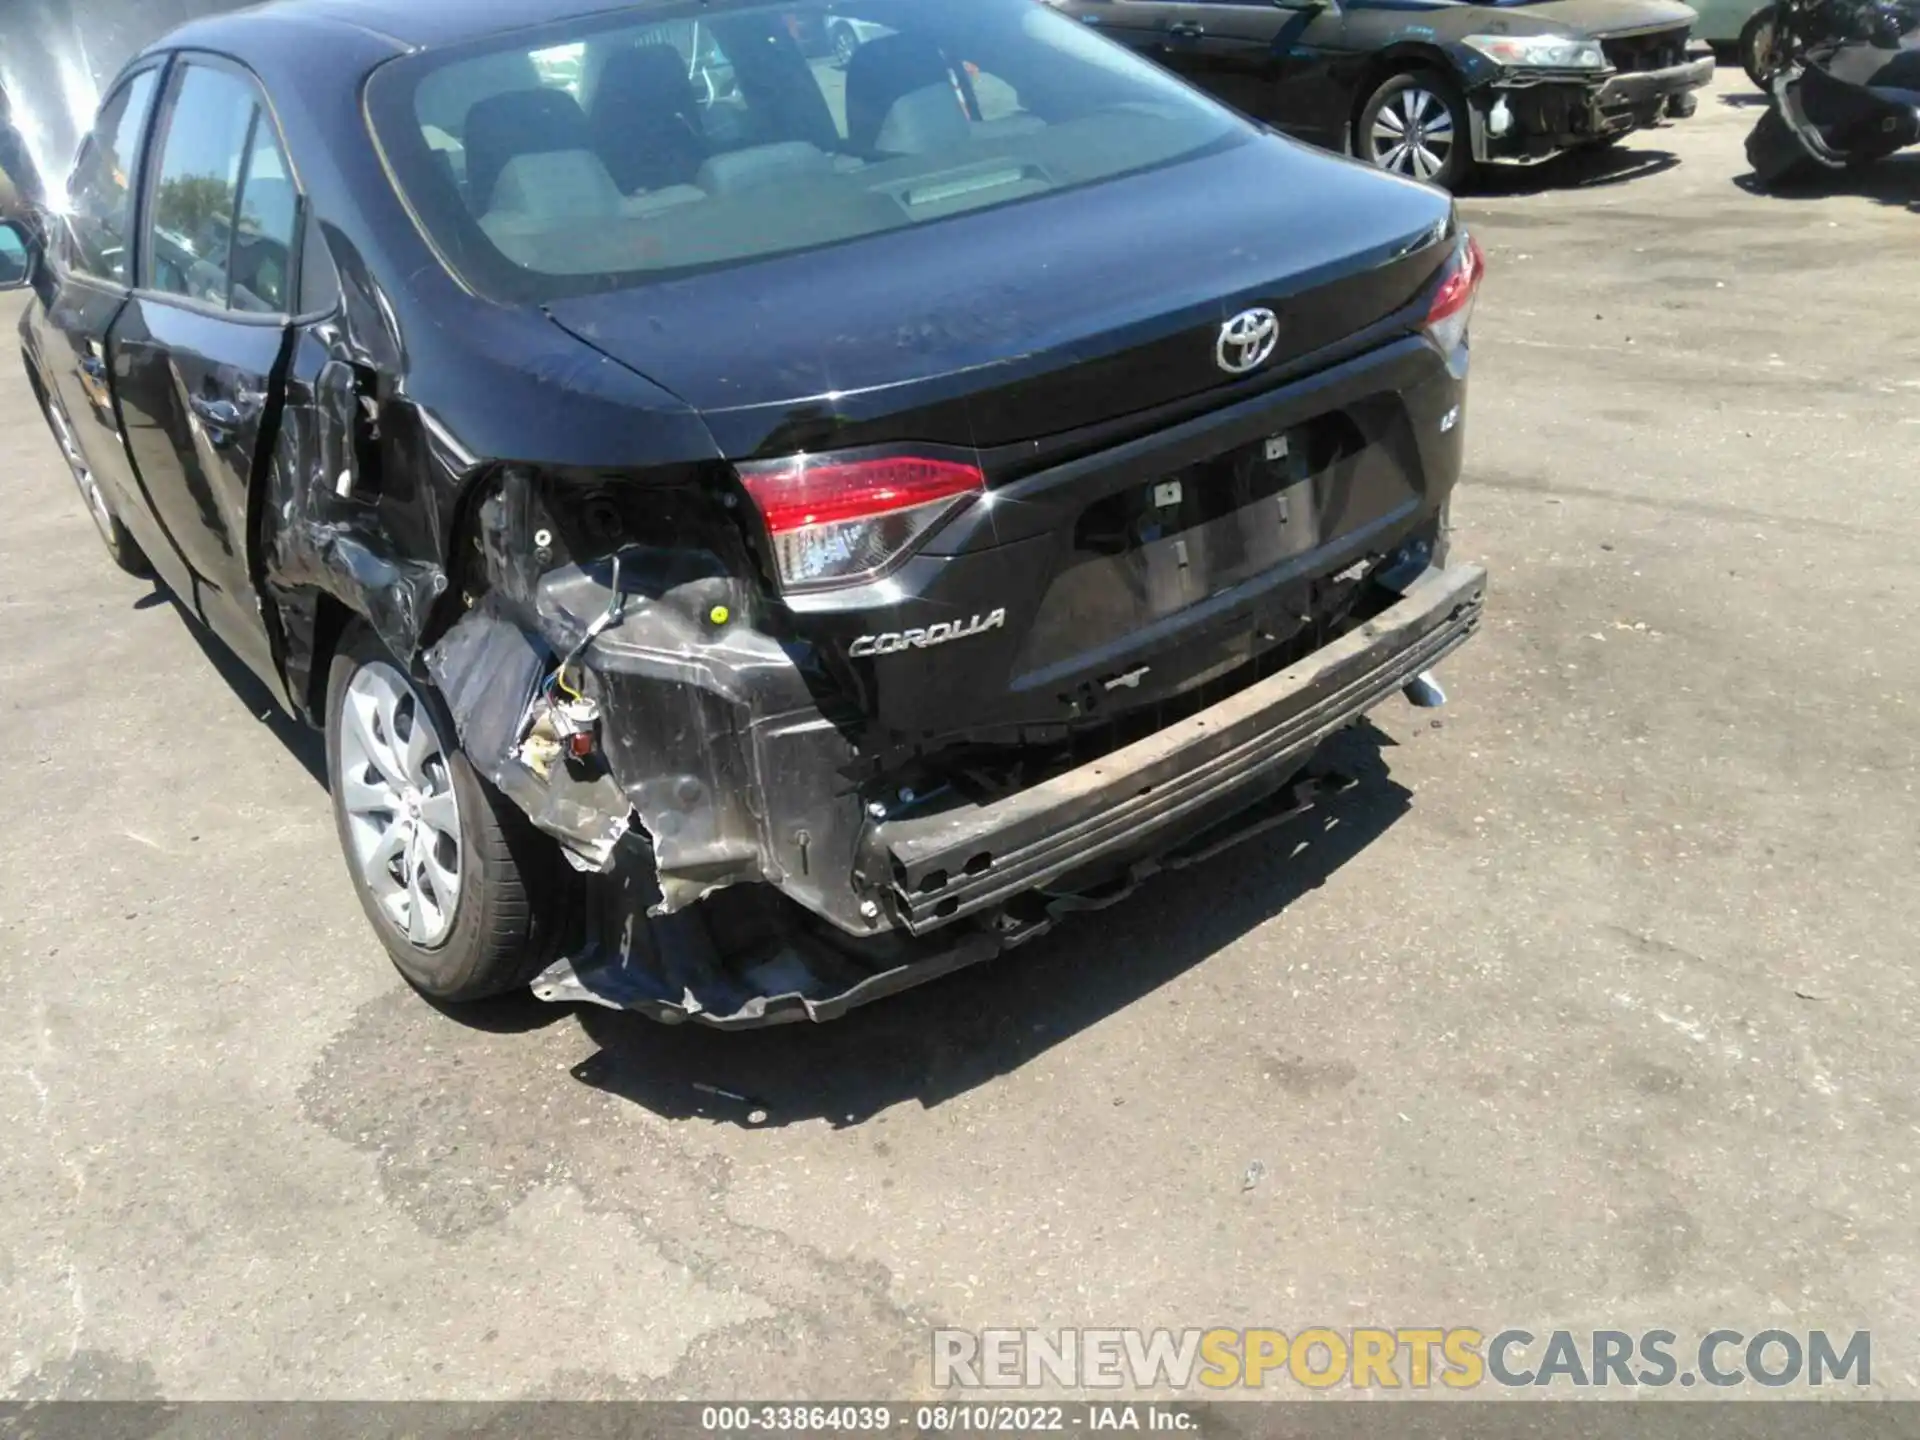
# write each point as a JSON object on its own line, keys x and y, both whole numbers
{"x": 758, "y": 534}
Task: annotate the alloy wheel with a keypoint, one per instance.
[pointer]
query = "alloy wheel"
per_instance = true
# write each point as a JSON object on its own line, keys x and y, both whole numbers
{"x": 403, "y": 817}
{"x": 1412, "y": 134}
{"x": 82, "y": 473}
{"x": 844, "y": 44}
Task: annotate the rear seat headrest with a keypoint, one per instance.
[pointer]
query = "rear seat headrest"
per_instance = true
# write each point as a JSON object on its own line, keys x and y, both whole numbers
{"x": 520, "y": 122}
{"x": 887, "y": 70}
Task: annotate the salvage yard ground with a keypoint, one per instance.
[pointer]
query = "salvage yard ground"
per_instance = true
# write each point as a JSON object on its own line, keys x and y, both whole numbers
{"x": 1594, "y": 1007}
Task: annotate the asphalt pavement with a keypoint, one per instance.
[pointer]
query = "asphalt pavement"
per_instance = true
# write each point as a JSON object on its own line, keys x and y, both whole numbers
{"x": 1594, "y": 1006}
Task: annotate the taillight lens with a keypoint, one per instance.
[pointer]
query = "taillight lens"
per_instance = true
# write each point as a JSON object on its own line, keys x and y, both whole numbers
{"x": 837, "y": 521}
{"x": 1453, "y": 302}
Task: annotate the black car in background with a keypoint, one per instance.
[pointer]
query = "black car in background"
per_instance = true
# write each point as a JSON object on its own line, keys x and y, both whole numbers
{"x": 1427, "y": 88}
{"x": 754, "y": 547}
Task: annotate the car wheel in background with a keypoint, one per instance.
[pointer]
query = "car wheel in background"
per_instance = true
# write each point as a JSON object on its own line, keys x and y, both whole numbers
{"x": 845, "y": 42}
{"x": 1757, "y": 55}
{"x": 1416, "y": 125}
{"x": 461, "y": 889}
{"x": 124, "y": 549}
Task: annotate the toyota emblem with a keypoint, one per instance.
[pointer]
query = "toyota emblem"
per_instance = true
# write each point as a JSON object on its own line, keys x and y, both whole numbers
{"x": 1247, "y": 340}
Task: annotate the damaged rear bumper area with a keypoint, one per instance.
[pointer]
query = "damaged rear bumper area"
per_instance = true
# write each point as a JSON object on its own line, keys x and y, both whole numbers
{"x": 1531, "y": 117}
{"x": 1185, "y": 778}
{"x": 718, "y": 770}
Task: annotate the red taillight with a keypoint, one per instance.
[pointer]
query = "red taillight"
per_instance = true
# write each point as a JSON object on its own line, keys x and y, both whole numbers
{"x": 1453, "y": 301}
{"x": 835, "y": 521}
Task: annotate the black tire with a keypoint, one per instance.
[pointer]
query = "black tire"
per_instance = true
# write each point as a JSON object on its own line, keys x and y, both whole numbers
{"x": 1396, "y": 98}
{"x": 122, "y": 548}
{"x": 1778, "y": 158}
{"x": 512, "y": 879}
{"x": 845, "y": 42}
{"x": 1756, "y": 46}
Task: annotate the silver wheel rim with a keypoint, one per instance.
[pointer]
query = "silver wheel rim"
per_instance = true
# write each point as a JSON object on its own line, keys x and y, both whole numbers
{"x": 82, "y": 473}
{"x": 1763, "y": 47}
{"x": 1412, "y": 134}
{"x": 403, "y": 819}
{"x": 844, "y": 45}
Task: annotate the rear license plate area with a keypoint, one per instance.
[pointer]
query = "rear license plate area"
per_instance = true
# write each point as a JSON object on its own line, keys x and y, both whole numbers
{"x": 1203, "y": 528}
{"x": 1163, "y": 545}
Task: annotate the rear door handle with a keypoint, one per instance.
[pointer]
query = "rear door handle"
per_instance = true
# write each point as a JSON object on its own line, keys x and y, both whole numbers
{"x": 221, "y": 418}
{"x": 1186, "y": 30}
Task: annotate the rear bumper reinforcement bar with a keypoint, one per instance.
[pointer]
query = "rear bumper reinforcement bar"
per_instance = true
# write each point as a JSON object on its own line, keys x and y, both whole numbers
{"x": 952, "y": 864}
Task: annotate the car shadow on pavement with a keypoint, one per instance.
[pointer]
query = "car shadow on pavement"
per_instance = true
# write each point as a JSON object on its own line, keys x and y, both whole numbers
{"x": 303, "y": 742}
{"x": 945, "y": 1038}
{"x": 1893, "y": 181}
{"x": 1575, "y": 170}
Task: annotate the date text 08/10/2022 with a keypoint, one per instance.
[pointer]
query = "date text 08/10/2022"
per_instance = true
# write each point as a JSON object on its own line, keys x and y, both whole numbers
{"x": 963, "y": 1417}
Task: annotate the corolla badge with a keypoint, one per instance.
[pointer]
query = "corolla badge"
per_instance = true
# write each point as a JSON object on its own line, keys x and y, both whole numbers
{"x": 1247, "y": 340}
{"x": 921, "y": 637}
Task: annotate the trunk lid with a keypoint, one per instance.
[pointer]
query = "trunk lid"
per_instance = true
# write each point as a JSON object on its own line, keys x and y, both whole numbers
{"x": 1028, "y": 319}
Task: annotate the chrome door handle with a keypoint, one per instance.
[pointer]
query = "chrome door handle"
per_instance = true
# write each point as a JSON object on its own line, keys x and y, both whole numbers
{"x": 220, "y": 418}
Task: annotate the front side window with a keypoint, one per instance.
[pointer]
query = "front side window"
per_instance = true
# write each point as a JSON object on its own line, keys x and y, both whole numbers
{"x": 222, "y": 219}
{"x": 95, "y": 238}
{"x": 638, "y": 144}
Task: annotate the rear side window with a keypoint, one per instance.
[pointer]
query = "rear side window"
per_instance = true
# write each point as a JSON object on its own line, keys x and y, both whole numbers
{"x": 636, "y": 144}
{"x": 222, "y": 219}
{"x": 263, "y": 241}
{"x": 96, "y": 238}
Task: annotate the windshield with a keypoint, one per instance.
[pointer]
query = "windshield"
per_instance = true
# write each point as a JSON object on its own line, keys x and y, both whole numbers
{"x": 654, "y": 141}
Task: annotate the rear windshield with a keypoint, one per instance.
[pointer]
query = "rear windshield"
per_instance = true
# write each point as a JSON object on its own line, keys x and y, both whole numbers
{"x": 663, "y": 139}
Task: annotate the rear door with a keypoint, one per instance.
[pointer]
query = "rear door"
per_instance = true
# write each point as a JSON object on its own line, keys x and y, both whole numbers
{"x": 1304, "y": 94}
{"x": 1227, "y": 46}
{"x": 1265, "y": 58}
{"x": 199, "y": 348}
{"x": 1138, "y": 24}
{"x": 84, "y": 288}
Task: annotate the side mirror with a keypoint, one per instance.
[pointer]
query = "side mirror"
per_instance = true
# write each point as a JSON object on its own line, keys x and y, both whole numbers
{"x": 17, "y": 251}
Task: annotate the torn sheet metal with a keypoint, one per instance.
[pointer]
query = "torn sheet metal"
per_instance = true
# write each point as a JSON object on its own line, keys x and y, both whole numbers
{"x": 742, "y": 960}
{"x": 620, "y": 986}
{"x": 708, "y": 738}
{"x": 706, "y": 732}
{"x": 750, "y": 958}
{"x": 488, "y": 670}
{"x": 358, "y": 501}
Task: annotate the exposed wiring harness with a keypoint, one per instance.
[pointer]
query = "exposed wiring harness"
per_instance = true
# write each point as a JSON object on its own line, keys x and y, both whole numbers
{"x": 562, "y": 720}
{"x": 616, "y": 607}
